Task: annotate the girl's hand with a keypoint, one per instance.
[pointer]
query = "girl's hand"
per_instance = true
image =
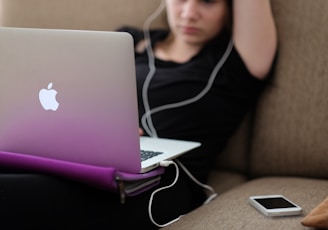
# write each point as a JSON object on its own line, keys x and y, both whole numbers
{"x": 141, "y": 132}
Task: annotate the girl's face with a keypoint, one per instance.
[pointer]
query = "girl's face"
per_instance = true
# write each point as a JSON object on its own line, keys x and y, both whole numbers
{"x": 196, "y": 21}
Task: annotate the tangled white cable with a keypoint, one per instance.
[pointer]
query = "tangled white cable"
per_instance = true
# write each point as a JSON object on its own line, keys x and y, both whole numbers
{"x": 164, "y": 164}
{"x": 212, "y": 196}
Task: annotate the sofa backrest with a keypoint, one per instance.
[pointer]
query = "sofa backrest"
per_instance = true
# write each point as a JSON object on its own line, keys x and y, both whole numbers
{"x": 77, "y": 14}
{"x": 291, "y": 123}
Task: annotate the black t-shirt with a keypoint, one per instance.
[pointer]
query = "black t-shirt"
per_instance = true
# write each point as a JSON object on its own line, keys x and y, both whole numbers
{"x": 212, "y": 119}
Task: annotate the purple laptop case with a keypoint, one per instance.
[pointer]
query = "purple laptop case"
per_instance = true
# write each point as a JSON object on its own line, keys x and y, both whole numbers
{"x": 97, "y": 176}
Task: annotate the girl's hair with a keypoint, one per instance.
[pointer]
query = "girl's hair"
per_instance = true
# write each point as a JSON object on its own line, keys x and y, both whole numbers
{"x": 229, "y": 22}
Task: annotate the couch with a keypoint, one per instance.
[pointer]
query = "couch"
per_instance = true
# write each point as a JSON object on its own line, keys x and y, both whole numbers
{"x": 281, "y": 146}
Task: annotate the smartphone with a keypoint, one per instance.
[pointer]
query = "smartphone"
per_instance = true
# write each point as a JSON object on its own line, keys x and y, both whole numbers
{"x": 275, "y": 205}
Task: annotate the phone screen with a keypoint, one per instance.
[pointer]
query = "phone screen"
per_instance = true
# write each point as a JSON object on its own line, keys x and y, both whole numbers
{"x": 275, "y": 202}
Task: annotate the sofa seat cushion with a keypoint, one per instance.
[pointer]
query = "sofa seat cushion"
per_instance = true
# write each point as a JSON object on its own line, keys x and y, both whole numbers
{"x": 232, "y": 211}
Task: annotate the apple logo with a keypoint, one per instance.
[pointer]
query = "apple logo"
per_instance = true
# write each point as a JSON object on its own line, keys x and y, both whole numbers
{"x": 47, "y": 98}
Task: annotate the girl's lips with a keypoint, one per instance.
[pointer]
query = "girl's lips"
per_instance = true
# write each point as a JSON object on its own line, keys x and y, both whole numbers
{"x": 189, "y": 29}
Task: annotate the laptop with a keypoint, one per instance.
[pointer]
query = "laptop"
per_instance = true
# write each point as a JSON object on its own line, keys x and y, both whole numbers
{"x": 71, "y": 95}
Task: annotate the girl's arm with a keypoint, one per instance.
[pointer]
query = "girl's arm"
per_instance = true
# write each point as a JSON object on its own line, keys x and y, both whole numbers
{"x": 255, "y": 34}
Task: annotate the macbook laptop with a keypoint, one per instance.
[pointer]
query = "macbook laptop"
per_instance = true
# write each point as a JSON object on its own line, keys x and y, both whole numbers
{"x": 71, "y": 95}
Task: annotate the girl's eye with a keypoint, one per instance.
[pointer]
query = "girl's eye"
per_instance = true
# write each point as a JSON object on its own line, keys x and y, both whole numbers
{"x": 201, "y": 1}
{"x": 213, "y": 1}
{"x": 209, "y": 1}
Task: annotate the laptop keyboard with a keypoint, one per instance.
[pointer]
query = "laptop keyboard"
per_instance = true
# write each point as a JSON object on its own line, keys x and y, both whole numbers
{"x": 146, "y": 154}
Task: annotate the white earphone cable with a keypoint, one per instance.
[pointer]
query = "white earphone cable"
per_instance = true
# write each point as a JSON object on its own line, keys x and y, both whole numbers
{"x": 146, "y": 119}
{"x": 147, "y": 123}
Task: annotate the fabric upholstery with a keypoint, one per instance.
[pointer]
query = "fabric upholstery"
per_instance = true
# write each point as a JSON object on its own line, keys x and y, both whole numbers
{"x": 232, "y": 211}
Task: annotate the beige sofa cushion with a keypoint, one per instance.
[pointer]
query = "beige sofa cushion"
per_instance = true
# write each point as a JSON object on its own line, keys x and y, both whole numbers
{"x": 231, "y": 210}
{"x": 291, "y": 129}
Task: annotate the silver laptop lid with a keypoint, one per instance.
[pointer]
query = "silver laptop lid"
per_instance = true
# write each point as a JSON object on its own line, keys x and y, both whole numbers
{"x": 95, "y": 118}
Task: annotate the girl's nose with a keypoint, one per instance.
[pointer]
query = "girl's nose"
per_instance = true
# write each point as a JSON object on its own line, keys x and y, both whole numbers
{"x": 190, "y": 10}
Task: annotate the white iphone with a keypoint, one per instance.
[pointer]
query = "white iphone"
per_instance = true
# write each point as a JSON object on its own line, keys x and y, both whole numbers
{"x": 275, "y": 205}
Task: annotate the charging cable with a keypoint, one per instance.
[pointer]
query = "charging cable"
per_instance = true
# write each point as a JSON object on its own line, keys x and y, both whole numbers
{"x": 211, "y": 197}
{"x": 163, "y": 164}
